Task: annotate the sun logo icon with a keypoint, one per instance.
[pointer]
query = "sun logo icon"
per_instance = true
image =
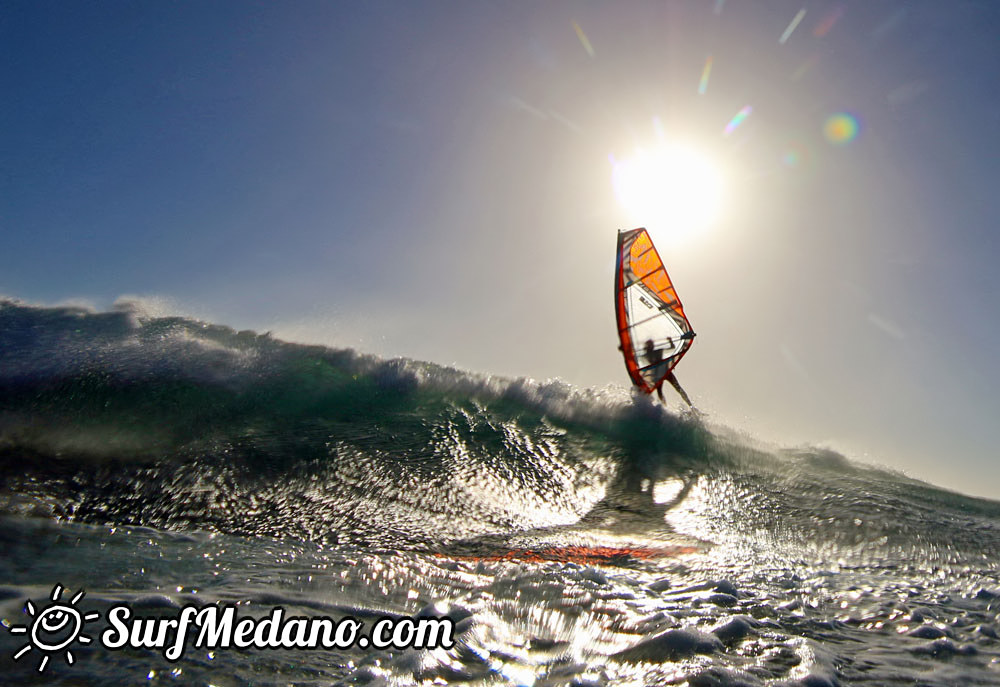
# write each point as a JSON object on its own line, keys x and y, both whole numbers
{"x": 54, "y": 628}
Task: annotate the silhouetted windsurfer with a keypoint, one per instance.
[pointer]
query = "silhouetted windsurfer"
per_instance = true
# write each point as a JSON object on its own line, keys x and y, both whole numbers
{"x": 648, "y": 310}
{"x": 654, "y": 356}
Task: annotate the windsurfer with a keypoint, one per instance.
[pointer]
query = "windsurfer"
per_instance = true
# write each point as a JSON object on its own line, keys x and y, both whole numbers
{"x": 653, "y": 354}
{"x": 648, "y": 310}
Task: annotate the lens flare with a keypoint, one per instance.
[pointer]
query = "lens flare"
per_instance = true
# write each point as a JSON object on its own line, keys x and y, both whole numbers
{"x": 827, "y": 22}
{"x": 705, "y": 73}
{"x": 737, "y": 119}
{"x": 791, "y": 26}
{"x": 804, "y": 68}
{"x": 796, "y": 154}
{"x": 841, "y": 128}
{"x": 584, "y": 41}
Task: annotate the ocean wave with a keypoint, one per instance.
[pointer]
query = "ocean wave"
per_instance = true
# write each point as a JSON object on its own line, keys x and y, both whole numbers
{"x": 127, "y": 417}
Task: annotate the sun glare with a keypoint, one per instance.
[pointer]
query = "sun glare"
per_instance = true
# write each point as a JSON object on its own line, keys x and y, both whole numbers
{"x": 670, "y": 189}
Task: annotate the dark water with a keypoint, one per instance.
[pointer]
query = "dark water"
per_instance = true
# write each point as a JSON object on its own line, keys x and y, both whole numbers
{"x": 164, "y": 461}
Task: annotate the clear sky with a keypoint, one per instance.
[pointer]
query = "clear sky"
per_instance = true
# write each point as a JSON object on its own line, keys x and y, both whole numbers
{"x": 435, "y": 180}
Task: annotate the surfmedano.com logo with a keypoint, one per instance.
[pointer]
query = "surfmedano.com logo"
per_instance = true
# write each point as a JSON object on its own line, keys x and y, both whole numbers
{"x": 56, "y": 626}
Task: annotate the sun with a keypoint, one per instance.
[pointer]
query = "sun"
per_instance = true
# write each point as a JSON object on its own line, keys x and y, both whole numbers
{"x": 671, "y": 189}
{"x": 54, "y": 628}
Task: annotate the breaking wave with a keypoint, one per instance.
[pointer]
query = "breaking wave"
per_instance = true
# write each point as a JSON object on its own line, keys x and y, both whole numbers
{"x": 582, "y": 537}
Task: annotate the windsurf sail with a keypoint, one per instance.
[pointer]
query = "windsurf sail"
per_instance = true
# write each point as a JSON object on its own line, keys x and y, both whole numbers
{"x": 655, "y": 334}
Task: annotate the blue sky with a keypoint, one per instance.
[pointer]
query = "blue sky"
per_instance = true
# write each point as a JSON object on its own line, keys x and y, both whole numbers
{"x": 434, "y": 180}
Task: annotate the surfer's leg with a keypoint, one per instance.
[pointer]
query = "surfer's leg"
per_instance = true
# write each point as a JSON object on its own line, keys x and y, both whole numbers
{"x": 659, "y": 392}
{"x": 677, "y": 387}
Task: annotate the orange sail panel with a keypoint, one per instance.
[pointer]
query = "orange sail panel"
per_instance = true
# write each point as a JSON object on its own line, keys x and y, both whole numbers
{"x": 655, "y": 334}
